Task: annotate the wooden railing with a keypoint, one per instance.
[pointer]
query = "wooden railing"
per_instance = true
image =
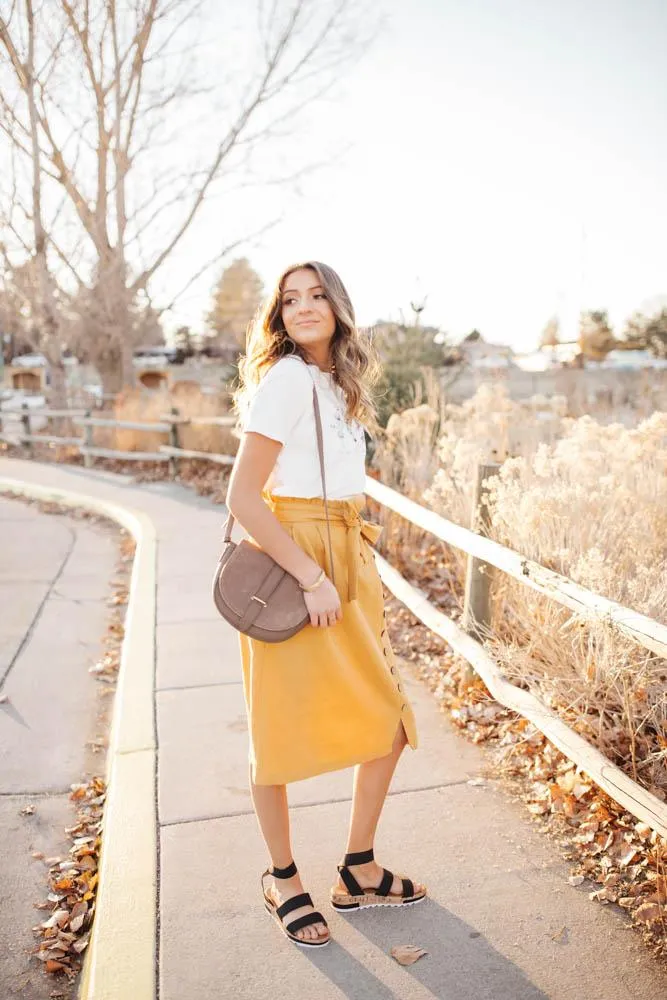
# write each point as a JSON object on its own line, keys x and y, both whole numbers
{"x": 169, "y": 424}
{"x": 646, "y": 632}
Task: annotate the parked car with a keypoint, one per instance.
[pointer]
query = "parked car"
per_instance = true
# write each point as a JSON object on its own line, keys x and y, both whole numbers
{"x": 159, "y": 355}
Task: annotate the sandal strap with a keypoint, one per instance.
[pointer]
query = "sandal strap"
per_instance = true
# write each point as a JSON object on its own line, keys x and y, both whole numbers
{"x": 353, "y": 887}
{"x": 287, "y": 872}
{"x": 310, "y": 918}
{"x": 386, "y": 883}
{"x": 359, "y": 857}
{"x": 350, "y": 881}
{"x": 302, "y": 899}
{"x": 408, "y": 887}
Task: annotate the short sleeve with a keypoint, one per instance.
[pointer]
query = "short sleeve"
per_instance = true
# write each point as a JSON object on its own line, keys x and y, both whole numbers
{"x": 279, "y": 400}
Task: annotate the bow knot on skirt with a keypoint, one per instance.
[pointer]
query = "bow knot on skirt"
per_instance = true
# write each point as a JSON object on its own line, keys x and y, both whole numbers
{"x": 342, "y": 513}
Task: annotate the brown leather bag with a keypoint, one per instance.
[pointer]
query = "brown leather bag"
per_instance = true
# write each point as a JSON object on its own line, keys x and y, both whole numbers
{"x": 252, "y": 591}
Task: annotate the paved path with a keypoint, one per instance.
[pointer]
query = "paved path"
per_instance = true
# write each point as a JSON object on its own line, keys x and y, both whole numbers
{"x": 54, "y": 581}
{"x": 501, "y": 924}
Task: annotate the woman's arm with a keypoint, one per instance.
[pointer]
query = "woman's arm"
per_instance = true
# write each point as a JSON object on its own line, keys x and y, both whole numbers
{"x": 252, "y": 467}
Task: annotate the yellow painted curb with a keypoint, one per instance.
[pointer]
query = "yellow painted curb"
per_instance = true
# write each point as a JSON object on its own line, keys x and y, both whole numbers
{"x": 120, "y": 962}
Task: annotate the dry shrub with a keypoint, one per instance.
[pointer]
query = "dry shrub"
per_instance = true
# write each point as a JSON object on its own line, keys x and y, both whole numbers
{"x": 431, "y": 452}
{"x": 405, "y": 458}
{"x": 613, "y": 396}
{"x": 586, "y": 499}
{"x": 488, "y": 427}
{"x": 592, "y": 506}
{"x": 189, "y": 400}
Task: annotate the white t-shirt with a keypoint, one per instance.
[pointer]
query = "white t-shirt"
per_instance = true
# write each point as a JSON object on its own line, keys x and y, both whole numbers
{"x": 281, "y": 407}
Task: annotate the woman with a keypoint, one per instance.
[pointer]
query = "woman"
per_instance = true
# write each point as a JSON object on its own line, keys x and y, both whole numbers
{"x": 330, "y": 696}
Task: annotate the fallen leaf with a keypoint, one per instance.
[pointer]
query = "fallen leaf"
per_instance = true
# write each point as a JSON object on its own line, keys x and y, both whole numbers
{"x": 648, "y": 912}
{"x": 406, "y": 954}
{"x": 63, "y": 883}
{"x": 53, "y": 966}
{"x": 627, "y": 856}
{"x": 27, "y": 810}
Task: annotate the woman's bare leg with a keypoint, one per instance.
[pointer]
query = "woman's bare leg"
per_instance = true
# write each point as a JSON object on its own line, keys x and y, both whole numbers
{"x": 271, "y": 808}
{"x": 371, "y": 784}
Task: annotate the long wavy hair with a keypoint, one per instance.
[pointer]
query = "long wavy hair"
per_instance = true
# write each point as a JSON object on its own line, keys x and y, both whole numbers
{"x": 356, "y": 363}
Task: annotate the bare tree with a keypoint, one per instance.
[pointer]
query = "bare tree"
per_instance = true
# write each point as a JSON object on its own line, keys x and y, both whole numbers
{"x": 596, "y": 337}
{"x": 39, "y": 293}
{"x": 647, "y": 332}
{"x": 126, "y": 141}
{"x": 550, "y": 335}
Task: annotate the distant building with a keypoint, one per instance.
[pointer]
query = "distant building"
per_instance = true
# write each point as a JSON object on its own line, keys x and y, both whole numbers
{"x": 550, "y": 356}
{"x": 478, "y": 353}
{"x": 633, "y": 360}
{"x": 27, "y": 373}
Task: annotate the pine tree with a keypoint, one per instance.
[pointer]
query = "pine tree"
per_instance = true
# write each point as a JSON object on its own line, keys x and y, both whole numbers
{"x": 235, "y": 301}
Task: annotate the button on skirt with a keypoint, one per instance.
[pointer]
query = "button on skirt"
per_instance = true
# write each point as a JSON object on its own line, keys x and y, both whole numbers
{"x": 328, "y": 697}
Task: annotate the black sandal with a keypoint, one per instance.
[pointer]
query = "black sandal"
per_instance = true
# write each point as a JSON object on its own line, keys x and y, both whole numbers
{"x": 357, "y": 897}
{"x": 302, "y": 899}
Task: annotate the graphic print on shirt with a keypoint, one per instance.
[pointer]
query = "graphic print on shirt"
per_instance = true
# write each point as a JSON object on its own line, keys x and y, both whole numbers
{"x": 349, "y": 433}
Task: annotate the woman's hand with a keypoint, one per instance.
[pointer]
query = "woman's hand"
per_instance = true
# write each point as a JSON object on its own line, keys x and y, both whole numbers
{"x": 323, "y": 604}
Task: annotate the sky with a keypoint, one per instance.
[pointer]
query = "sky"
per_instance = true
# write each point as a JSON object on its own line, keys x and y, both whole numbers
{"x": 502, "y": 161}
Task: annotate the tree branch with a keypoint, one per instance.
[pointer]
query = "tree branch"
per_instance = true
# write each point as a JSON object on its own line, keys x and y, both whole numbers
{"x": 216, "y": 260}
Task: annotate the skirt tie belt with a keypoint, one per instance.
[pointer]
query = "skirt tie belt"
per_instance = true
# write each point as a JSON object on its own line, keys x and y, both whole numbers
{"x": 357, "y": 527}
{"x": 340, "y": 512}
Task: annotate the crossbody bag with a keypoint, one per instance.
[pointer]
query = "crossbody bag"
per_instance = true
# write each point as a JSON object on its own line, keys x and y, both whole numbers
{"x": 252, "y": 591}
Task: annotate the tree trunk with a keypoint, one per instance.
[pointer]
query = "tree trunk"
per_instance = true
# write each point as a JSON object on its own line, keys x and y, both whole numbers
{"x": 57, "y": 392}
{"x": 112, "y": 376}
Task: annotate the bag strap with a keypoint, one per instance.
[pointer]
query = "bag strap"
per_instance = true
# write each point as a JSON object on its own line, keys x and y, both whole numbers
{"x": 229, "y": 524}
{"x": 320, "y": 449}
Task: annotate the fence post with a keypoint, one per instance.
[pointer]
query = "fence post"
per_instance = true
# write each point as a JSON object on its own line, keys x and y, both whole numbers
{"x": 87, "y": 441}
{"x": 476, "y": 609}
{"x": 173, "y": 442}
{"x": 25, "y": 420}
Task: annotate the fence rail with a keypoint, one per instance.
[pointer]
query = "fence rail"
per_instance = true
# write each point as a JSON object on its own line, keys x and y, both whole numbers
{"x": 130, "y": 425}
{"x": 648, "y": 633}
{"x": 169, "y": 423}
{"x": 639, "y": 802}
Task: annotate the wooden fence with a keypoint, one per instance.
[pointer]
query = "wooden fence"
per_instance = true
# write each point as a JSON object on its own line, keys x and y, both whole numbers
{"x": 484, "y": 554}
{"x": 169, "y": 424}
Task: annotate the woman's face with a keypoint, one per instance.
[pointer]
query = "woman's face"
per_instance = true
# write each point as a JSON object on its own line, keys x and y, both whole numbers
{"x": 306, "y": 313}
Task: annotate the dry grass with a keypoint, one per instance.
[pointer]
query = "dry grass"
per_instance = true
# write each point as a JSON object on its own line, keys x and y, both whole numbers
{"x": 589, "y": 500}
{"x": 592, "y": 506}
{"x": 586, "y": 499}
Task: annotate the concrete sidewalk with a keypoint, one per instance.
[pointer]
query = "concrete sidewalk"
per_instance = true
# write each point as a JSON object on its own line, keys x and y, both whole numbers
{"x": 54, "y": 585}
{"x": 501, "y": 920}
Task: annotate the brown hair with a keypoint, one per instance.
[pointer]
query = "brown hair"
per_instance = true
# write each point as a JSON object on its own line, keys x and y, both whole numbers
{"x": 357, "y": 366}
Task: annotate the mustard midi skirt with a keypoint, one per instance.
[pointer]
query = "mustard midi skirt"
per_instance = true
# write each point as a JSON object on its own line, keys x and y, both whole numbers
{"x": 328, "y": 697}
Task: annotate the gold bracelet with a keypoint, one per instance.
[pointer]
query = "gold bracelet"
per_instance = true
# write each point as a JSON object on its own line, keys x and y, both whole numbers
{"x": 315, "y": 585}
